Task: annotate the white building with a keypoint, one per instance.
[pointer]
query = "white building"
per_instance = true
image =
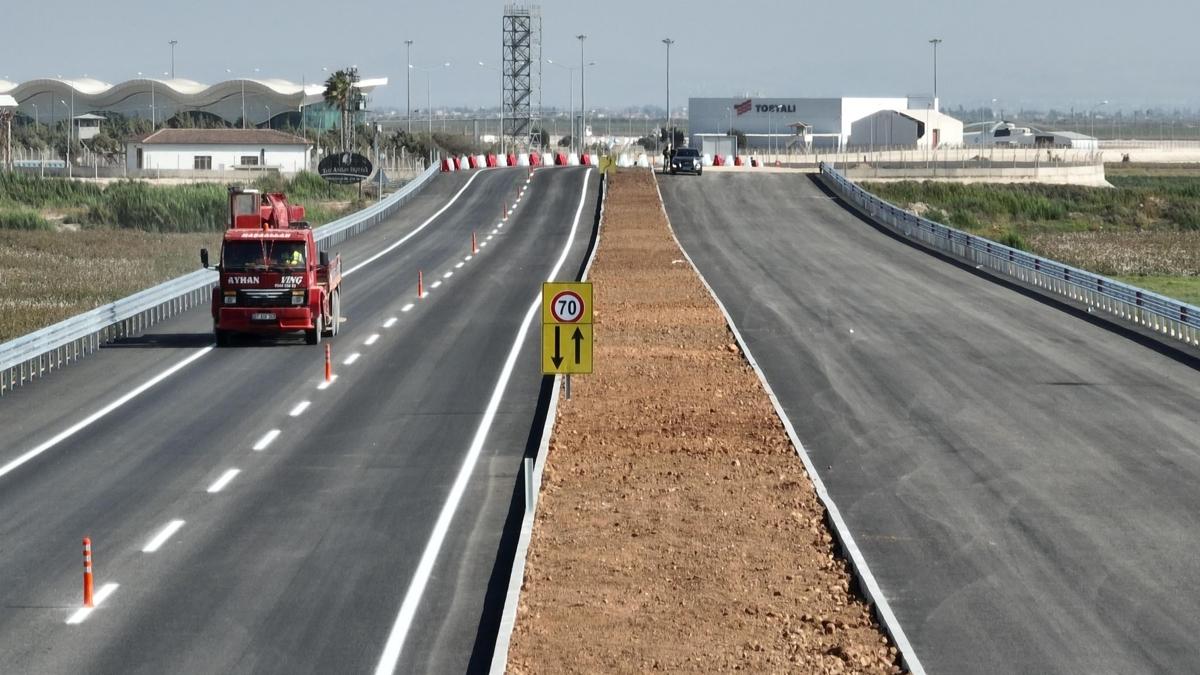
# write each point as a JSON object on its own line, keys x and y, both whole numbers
{"x": 218, "y": 150}
{"x": 906, "y": 129}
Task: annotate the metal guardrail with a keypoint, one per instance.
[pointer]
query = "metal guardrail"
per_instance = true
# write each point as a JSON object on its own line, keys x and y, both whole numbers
{"x": 1159, "y": 313}
{"x": 41, "y": 352}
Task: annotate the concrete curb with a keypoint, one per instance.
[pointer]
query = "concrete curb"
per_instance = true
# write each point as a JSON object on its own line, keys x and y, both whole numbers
{"x": 858, "y": 563}
{"x": 512, "y": 598}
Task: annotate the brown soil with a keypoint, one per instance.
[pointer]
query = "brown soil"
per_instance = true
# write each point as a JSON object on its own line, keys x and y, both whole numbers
{"x": 677, "y": 529}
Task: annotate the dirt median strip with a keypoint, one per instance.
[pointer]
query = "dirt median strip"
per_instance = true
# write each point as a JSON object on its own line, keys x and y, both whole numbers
{"x": 677, "y": 529}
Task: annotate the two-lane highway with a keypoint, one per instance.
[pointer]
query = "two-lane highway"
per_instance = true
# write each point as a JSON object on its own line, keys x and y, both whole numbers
{"x": 1022, "y": 482}
{"x": 307, "y": 511}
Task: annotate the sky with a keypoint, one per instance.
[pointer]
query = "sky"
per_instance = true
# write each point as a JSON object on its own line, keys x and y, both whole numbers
{"x": 1025, "y": 53}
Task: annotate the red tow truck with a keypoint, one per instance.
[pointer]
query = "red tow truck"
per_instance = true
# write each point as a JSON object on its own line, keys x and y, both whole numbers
{"x": 273, "y": 278}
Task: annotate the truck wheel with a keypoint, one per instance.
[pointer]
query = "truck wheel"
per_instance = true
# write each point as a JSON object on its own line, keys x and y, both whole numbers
{"x": 313, "y": 337}
{"x": 335, "y": 315}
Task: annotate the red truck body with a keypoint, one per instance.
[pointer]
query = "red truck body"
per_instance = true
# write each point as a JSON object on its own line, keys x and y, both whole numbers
{"x": 273, "y": 278}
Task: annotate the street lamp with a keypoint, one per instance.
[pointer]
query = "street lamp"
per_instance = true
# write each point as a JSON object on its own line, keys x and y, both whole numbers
{"x": 70, "y": 130}
{"x": 243, "y": 81}
{"x": 173, "y": 43}
{"x": 428, "y": 70}
{"x": 268, "y": 116}
{"x": 408, "y": 84}
{"x": 582, "y": 93}
{"x": 670, "y": 132}
{"x": 1092, "y": 115}
{"x": 935, "y": 42}
{"x": 498, "y": 70}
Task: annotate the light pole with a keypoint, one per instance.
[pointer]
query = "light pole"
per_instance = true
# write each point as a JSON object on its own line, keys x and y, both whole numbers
{"x": 173, "y": 43}
{"x": 1092, "y": 115}
{"x": 35, "y": 117}
{"x": 582, "y": 93}
{"x": 70, "y": 130}
{"x": 268, "y": 116}
{"x": 153, "y": 120}
{"x": 498, "y": 70}
{"x": 935, "y": 42}
{"x": 428, "y": 70}
{"x": 570, "y": 95}
{"x": 408, "y": 84}
{"x": 670, "y": 132}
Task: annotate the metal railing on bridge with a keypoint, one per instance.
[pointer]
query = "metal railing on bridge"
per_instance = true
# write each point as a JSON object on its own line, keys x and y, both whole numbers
{"x": 41, "y": 352}
{"x": 1166, "y": 316}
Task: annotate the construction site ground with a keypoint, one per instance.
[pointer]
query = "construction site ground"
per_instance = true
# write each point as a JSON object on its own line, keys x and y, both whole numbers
{"x": 677, "y": 529}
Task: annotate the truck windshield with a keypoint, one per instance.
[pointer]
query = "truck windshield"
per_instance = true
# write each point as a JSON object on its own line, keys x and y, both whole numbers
{"x": 259, "y": 255}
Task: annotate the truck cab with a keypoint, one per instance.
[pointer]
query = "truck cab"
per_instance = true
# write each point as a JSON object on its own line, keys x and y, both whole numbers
{"x": 273, "y": 279}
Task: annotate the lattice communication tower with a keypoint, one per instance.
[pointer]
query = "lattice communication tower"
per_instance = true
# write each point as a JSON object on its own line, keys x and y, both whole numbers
{"x": 522, "y": 73}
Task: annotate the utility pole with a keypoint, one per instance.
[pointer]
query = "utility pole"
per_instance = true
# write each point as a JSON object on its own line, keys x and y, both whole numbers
{"x": 582, "y": 93}
{"x": 408, "y": 85}
{"x": 935, "y": 42}
{"x": 173, "y": 43}
{"x": 670, "y": 131}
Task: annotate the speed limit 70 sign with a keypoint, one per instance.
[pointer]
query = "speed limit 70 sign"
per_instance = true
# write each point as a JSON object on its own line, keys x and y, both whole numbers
{"x": 566, "y": 329}
{"x": 567, "y": 303}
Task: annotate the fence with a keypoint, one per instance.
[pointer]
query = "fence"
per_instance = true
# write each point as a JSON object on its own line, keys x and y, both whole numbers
{"x": 43, "y": 351}
{"x": 1163, "y": 315}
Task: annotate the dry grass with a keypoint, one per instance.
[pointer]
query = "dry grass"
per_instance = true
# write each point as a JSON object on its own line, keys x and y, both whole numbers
{"x": 48, "y": 276}
{"x": 1124, "y": 253}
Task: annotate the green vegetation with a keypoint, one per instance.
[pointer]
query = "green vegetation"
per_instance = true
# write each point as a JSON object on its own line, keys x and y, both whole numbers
{"x": 26, "y": 201}
{"x": 1145, "y": 230}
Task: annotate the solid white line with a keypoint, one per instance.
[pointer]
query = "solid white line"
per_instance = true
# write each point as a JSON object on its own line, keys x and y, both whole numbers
{"x": 371, "y": 340}
{"x": 447, "y": 275}
{"x": 408, "y": 609}
{"x": 407, "y": 307}
{"x": 351, "y": 359}
{"x": 858, "y": 561}
{"x": 459, "y": 265}
{"x": 325, "y": 385}
{"x": 161, "y": 538}
{"x": 101, "y": 595}
{"x": 299, "y": 409}
{"x": 390, "y": 322}
{"x": 221, "y": 482}
{"x": 435, "y": 284}
{"x": 266, "y": 440}
{"x": 85, "y": 422}
{"x": 412, "y": 234}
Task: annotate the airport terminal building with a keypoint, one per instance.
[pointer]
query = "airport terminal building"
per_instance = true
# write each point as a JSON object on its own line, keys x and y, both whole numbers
{"x": 799, "y": 123}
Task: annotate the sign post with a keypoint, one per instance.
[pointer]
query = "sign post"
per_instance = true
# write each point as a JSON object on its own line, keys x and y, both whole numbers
{"x": 567, "y": 329}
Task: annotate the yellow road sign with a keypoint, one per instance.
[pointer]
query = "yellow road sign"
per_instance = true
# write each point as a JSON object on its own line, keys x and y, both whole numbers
{"x": 566, "y": 349}
{"x": 567, "y": 303}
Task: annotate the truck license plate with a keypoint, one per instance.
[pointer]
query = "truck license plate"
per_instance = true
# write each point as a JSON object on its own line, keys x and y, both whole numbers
{"x": 262, "y": 316}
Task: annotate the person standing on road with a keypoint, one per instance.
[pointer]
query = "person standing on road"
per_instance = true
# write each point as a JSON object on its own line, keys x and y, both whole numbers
{"x": 666, "y": 158}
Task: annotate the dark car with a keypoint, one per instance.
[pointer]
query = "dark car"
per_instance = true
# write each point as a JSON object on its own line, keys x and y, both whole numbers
{"x": 687, "y": 159}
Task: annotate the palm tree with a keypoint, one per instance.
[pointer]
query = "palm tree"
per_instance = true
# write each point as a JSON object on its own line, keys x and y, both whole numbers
{"x": 340, "y": 94}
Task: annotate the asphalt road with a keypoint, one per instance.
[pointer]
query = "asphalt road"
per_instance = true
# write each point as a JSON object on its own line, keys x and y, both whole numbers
{"x": 301, "y": 562}
{"x": 1022, "y": 482}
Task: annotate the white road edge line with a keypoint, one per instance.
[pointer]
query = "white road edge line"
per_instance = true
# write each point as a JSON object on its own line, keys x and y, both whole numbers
{"x": 101, "y": 595}
{"x": 412, "y": 234}
{"x": 85, "y": 422}
{"x": 163, "y": 535}
{"x": 858, "y": 561}
{"x": 299, "y": 409}
{"x": 351, "y": 359}
{"x": 408, "y": 609}
{"x": 371, "y": 340}
{"x": 220, "y": 483}
{"x": 390, "y": 322}
{"x": 265, "y": 440}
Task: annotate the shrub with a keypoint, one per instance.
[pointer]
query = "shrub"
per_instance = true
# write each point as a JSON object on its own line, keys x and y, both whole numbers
{"x": 1013, "y": 240}
{"x": 22, "y": 219}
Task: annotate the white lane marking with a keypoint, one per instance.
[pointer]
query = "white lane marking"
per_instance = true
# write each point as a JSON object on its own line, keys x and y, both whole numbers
{"x": 412, "y": 234}
{"x": 325, "y": 385}
{"x": 371, "y": 340}
{"x": 299, "y": 409}
{"x": 490, "y": 237}
{"x": 447, "y": 275}
{"x": 161, "y": 538}
{"x": 220, "y": 483}
{"x": 482, "y": 244}
{"x": 85, "y": 422}
{"x": 390, "y": 322}
{"x": 468, "y": 258}
{"x": 459, "y": 265}
{"x": 412, "y": 598}
{"x": 351, "y": 359}
{"x": 100, "y": 596}
{"x": 496, "y": 231}
{"x": 266, "y": 440}
{"x": 407, "y": 307}
{"x": 435, "y": 284}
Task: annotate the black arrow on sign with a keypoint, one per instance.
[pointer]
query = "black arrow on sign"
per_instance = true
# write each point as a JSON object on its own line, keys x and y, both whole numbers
{"x": 578, "y": 338}
{"x": 557, "y": 359}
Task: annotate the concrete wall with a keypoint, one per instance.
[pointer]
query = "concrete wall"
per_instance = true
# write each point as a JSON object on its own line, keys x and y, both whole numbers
{"x": 287, "y": 158}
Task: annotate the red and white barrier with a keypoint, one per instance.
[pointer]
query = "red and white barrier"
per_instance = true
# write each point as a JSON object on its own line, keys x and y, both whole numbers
{"x": 522, "y": 159}
{"x": 448, "y": 165}
{"x": 572, "y": 159}
{"x": 643, "y": 161}
{"x": 560, "y": 159}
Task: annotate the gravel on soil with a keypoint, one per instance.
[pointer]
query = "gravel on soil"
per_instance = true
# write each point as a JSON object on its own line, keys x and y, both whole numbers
{"x": 677, "y": 529}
